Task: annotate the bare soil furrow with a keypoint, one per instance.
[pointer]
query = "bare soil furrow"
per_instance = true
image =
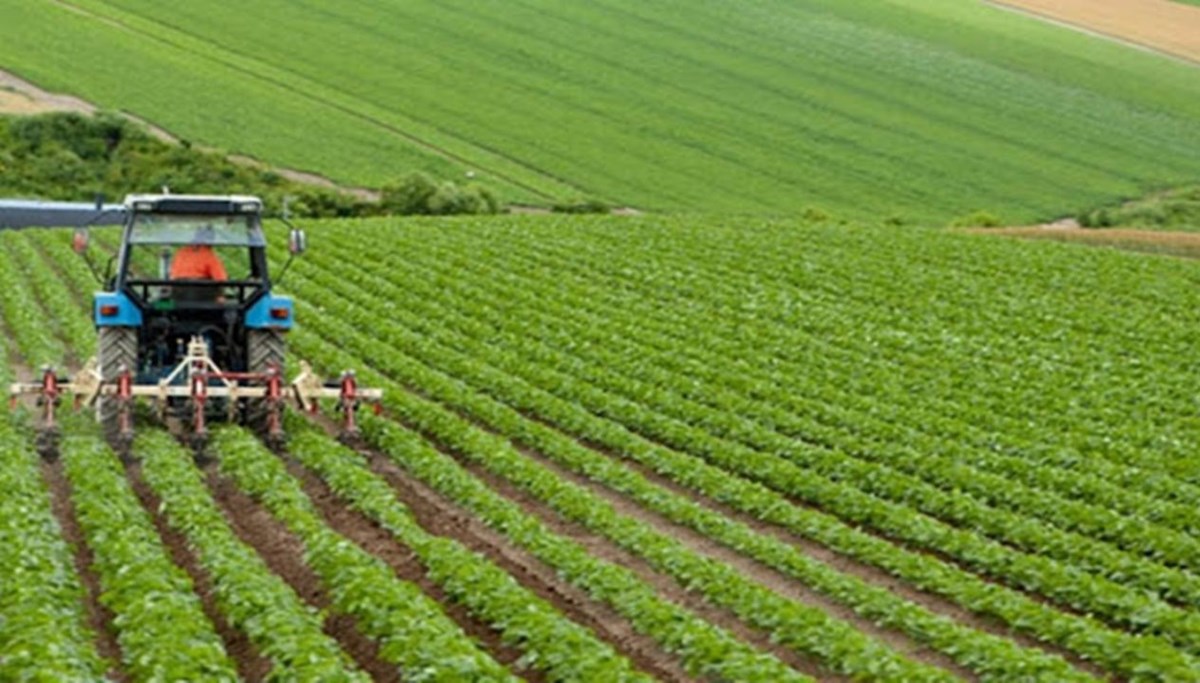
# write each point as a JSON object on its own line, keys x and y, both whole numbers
{"x": 251, "y": 665}
{"x": 438, "y": 516}
{"x": 664, "y": 585}
{"x": 404, "y": 562}
{"x": 283, "y": 553}
{"x": 100, "y": 618}
{"x": 874, "y": 575}
{"x": 777, "y": 582}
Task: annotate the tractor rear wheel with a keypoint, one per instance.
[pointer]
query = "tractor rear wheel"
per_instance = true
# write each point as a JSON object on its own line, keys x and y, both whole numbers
{"x": 264, "y": 349}
{"x": 118, "y": 350}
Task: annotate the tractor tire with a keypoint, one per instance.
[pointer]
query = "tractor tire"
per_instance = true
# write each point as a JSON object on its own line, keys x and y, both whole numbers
{"x": 118, "y": 348}
{"x": 264, "y": 348}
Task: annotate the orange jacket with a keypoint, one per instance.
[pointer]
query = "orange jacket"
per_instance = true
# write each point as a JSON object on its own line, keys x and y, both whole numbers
{"x": 198, "y": 262}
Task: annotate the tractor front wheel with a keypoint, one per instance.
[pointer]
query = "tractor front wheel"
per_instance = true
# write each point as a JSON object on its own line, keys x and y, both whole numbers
{"x": 118, "y": 351}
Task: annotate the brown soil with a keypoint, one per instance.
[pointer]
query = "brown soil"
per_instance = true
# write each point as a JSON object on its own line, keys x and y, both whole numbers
{"x": 436, "y": 515}
{"x": 1163, "y": 26}
{"x": 404, "y": 562}
{"x": 283, "y": 553}
{"x": 874, "y": 575}
{"x": 99, "y": 617}
{"x": 1182, "y": 244}
{"x": 251, "y": 665}
{"x": 667, "y": 587}
{"x": 780, "y": 584}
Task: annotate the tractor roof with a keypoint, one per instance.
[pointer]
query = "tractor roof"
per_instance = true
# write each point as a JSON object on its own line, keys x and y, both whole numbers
{"x": 193, "y": 204}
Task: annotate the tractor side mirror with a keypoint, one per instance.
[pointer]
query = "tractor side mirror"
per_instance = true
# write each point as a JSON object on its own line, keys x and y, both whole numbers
{"x": 297, "y": 242}
{"x": 79, "y": 241}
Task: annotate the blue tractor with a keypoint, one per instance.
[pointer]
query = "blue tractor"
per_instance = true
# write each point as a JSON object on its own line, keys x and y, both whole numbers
{"x": 202, "y": 346}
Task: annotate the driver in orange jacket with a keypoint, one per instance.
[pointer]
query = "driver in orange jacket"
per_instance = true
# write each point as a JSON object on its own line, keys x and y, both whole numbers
{"x": 198, "y": 262}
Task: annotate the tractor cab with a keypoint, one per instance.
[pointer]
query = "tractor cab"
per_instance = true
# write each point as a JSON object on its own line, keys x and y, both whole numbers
{"x": 192, "y": 267}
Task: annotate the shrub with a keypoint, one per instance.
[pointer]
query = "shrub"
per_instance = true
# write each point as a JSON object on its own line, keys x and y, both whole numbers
{"x": 977, "y": 219}
{"x": 581, "y": 205}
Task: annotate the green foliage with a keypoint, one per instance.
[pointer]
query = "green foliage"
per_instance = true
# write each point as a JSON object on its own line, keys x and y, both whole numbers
{"x": 977, "y": 219}
{"x": 708, "y": 109}
{"x": 1177, "y": 209}
{"x": 74, "y": 157}
{"x": 42, "y": 632}
{"x": 578, "y": 206}
{"x": 161, "y": 626}
{"x": 419, "y": 194}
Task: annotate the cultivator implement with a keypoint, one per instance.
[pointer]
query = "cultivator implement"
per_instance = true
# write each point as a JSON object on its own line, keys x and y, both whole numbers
{"x": 194, "y": 391}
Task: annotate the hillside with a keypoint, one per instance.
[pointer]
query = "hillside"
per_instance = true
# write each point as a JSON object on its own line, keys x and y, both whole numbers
{"x": 925, "y": 110}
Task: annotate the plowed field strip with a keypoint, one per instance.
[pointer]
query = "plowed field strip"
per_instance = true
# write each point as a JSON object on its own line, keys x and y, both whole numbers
{"x": 867, "y": 572}
{"x": 774, "y": 580}
{"x": 607, "y": 375}
{"x": 251, "y": 665}
{"x": 283, "y": 553}
{"x": 603, "y": 548}
{"x": 100, "y": 617}
{"x": 406, "y": 565}
{"x": 1163, "y": 26}
{"x": 442, "y": 517}
{"x": 441, "y": 357}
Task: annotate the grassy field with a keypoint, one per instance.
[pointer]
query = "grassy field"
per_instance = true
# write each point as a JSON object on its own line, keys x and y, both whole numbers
{"x": 921, "y": 109}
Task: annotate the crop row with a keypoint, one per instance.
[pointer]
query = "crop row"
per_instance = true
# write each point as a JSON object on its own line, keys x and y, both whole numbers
{"x": 161, "y": 626}
{"x": 904, "y": 357}
{"x": 42, "y": 628}
{"x": 23, "y": 316}
{"x": 990, "y": 655}
{"x": 704, "y": 648}
{"x": 411, "y": 628}
{"x": 1062, "y": 582}
{"x": 54, "y": 296}
{"x": 843, "y": 306}
{"x": 1041, "y": 621}
{"x": 434, "y": 311}
{"x": 560, "y": 648}
{"x": 814, "y": 406}
{"x": 253, "y": 599}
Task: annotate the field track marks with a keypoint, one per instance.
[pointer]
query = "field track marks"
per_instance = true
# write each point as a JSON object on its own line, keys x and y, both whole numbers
{"x": 332, "y": 97}
{"x": 251, "y": 665}
{"x": 100, "y": 618}
{"x": 404, "y": 563}
{"x": 1163, "y": 27}
{"x": 600, "y": 547}
{"x": 776, "y": 581}
{"x": 443, "y": 518}
{"x": 283, "y": 553}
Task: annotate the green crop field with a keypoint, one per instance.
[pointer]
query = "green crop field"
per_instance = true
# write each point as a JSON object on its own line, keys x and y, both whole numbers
{"x": 921, "y": 109}
{"x": 642, "y": 448}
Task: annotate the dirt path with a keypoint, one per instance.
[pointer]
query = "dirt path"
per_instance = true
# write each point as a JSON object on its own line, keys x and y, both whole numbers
{"x": 1169, "y": 243}
{"x": 1164, "y": 26}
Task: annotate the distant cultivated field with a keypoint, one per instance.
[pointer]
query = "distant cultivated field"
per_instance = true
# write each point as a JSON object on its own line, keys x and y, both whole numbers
{"x": 924, "y": 108}
{"x": 1167, "y": 25}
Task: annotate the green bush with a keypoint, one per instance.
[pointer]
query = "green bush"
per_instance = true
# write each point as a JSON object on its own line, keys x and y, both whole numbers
{"x": 977, "y": 219}
{"x": 581, "y": 206}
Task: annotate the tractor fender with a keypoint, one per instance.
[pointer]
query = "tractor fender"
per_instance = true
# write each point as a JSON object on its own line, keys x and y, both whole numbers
{"x": 115, "y": 309}
{"x": 271, "y": 312}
